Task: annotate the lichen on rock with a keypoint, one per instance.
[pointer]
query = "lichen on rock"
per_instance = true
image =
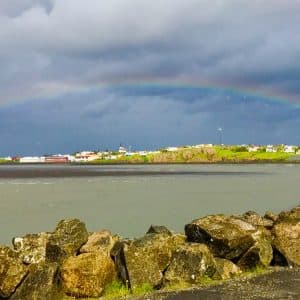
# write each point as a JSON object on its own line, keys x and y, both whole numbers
{"x": 190, "y": 263}
{"x": 87, "y": 274}
{"x": 31, "y": 247}
{"x": 144, "y": 260}
{"x": 66, "y": 240}
{"x": 12, "y": 271}
{"x": 226, "y": 236}
{"x": 40, "y": 284}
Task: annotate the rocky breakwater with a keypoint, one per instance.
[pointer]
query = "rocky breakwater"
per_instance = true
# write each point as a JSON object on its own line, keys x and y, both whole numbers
{"x": 70, "y": 261}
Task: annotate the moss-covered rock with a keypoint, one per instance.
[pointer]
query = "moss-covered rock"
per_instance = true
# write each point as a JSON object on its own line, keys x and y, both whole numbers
{"x": 271, "y": 216}
{"x": 31, "y": 247}
{"x": 41, "y": 283}
{"x": 260, "y": 254}
{"x": 227, "y": 237}
{"x": 102, "y": 240}
{"x": 87, "y": 274}
{"x": 12, "y": 271}
{"x": 66, "y": 240}
{"x": 226, "y": 269}
{"x": 190, "y": 263}
{"x": 255, "y": 219}
{"x": 287, "y": 239}
{"x": 289, "y": 215}
{"x": 144, "y": 260}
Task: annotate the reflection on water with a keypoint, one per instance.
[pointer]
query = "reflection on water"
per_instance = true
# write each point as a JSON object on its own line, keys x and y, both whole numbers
{"x": 134, "y": 197}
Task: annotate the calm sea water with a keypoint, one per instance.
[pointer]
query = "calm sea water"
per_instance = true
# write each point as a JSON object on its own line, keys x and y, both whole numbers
{"x": 128, "y": 199}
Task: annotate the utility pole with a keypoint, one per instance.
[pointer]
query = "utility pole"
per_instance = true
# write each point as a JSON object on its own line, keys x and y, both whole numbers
{"x": 220, "y": 130}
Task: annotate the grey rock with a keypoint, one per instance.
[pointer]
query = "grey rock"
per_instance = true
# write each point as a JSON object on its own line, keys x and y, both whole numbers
{"x": 31, "y": 247}
{"x": 42, "y": 283}
{"x": 190, "y": 263}
{"x": 12, "y": 271}
{"x": 227, "y": 237}
{"x": 66, "y": 240}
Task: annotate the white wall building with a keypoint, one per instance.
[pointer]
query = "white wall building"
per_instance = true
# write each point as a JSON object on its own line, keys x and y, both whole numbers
{"x": 253, "y": 148}
{"x": 32, "y": 159}
{"x": 289, "y": 149}
{"x": 271, "y": 148}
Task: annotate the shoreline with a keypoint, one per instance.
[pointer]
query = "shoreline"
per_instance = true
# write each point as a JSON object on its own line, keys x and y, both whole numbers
{"x": 90, "y": 170}
{"x": 218, "y": 256}
{"x": 120, "y": 163}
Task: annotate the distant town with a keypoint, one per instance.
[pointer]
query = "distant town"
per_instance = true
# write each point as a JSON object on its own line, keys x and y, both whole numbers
{"x": 186, "y": 153}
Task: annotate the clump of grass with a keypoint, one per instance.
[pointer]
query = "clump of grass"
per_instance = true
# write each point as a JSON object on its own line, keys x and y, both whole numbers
{"x": 206, "y": 281}
{"x": 145, "y": 288}
{"x": 116, "y": 290}
{"x": 258, "y": 270}
{"x": 178, "y": 286}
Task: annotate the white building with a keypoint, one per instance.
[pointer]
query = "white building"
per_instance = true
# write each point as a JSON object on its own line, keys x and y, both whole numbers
{"x": 271, "y": 148}
{"x": 122, "y": 150}
{"x": 172, "y": 149}
{"x": 289, "y": 149}
{"x": 32, "y": 159}
{"x": 253, "y": 148}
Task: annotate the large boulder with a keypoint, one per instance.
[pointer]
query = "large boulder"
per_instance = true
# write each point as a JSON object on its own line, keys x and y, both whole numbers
{"x": 190, "y": 264}
{"x": 144, "y": 260}
{"x": 66, "y": 240}
{"x": 12, "y": 271}
{"x": 226, "y": 269}
{"x": 87, "y": 274}
{"x": 31, "y": 247}
{"x": 287, "y": 239}
{"x": 99, "y": 241}
{"x": 227, "y": 237}
{"x": 41, "y": 283}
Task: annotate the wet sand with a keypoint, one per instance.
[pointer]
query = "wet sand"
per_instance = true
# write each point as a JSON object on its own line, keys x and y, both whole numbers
{"x": 283, "y": 284}
{"x": 61, "y": 171}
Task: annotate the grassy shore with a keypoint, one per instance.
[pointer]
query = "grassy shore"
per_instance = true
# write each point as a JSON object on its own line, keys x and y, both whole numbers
{"x": 205, "y": 155}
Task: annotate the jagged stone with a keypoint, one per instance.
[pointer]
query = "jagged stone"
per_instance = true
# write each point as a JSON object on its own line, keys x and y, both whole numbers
{"x": 260, "y": 254}
{"x": 144, "y": 260}
{"x": 255, "y": 219}
{"x": 12, "y": 271}
{"x": 99, "y": 241}
{"x": 31, "y": 247}
{"x": 289, "y": 215}
{"x": 40, "y": 284}
{"x": 87, "y": 274}
{"x": 66, "y": 240}
{"x": 271, "y": 216}
{"x": 226, "y": 269}
{"x": 227, "y": 237}
{"x": 159, "y": 229}
{"x": 190, "y": 263}
{"x": 287, "y": 239}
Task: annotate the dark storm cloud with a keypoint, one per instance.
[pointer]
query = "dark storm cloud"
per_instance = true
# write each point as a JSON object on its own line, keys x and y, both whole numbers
{"x": 55, "y": 53}
{"x": 55, "y": 46}
{"x": 102, "y": 119}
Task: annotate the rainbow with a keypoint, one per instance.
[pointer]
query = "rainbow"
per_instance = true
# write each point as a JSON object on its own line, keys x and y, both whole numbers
{"x": 248, "y": 93}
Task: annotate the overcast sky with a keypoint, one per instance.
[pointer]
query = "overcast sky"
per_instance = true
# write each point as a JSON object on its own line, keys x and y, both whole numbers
{"x": 90, "y": 74}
